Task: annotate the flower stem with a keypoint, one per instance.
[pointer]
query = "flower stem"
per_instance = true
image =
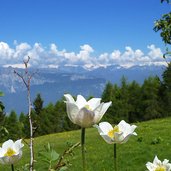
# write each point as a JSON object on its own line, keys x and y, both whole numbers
{"x": 83, "y": 148}
{"x": 12, "y": 167}
{"x": 115, "y": 158}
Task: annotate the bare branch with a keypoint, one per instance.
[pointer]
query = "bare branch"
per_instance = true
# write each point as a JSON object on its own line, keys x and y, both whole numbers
{"x": 26, "y": 80}
{"x": 26, "y": 64}
{"x": 25, "y": 141}
{"x": 19, "y": 75}
{"x": 67, "y": 151}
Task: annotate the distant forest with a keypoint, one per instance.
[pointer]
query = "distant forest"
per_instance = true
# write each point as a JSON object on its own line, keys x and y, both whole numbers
{"x": 130, "y": 101}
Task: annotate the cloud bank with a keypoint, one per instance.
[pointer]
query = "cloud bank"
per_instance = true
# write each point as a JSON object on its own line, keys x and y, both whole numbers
{"x": 52, "y": 57}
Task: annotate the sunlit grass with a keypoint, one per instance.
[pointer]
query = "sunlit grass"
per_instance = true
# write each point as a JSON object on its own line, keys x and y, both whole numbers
{"x": 153, "y": 139}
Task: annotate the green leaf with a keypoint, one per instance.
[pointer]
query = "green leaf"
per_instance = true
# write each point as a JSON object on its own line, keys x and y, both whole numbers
{"x": 48, "y": 147}
{"x": 54, "y": 155}
{"x": 63, "y": 168}
{"x": 46, "y": 161}
{"x": 45, "y": 155}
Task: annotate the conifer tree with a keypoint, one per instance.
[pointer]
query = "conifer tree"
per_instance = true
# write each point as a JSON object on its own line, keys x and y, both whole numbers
{"x": 13, "y": 126}
{"x": 134, "y": 102}
{"x": 38, "y": 104}
{"x": 167, "y": 89}
{"x": 150, "y": 108}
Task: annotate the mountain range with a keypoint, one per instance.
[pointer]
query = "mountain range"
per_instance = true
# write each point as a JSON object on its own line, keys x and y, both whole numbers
{"x": 52, "y": 83}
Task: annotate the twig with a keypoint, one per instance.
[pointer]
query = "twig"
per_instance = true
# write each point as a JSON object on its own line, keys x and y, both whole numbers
{"x": 67, "y": 151}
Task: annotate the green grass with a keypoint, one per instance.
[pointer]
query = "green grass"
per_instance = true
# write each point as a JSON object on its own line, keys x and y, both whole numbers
{"x": 154, "y": 138}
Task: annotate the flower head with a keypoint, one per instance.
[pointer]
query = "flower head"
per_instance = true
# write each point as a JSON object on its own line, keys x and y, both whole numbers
{"x": 157, "y": 165}
{"x": 118, "y": 134}
{"x": 85, "y": 113}
{"x": 11, "y": 152}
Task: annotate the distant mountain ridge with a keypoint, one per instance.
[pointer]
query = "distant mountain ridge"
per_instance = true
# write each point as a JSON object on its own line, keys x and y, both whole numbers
{"x": 53, "y": 83}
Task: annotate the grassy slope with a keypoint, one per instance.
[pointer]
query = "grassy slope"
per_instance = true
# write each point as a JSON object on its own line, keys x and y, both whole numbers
{"x": 132, "y": 156}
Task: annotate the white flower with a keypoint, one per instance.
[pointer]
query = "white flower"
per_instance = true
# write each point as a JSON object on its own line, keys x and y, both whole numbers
{"x": 118, "y": 134}
{"x": 11, "y": 151}
{"x": 85, "y": 113}
{"x": 157, "y": 165}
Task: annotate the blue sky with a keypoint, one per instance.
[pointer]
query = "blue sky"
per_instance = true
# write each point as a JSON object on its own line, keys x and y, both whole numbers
{"x": 81, "y": 32}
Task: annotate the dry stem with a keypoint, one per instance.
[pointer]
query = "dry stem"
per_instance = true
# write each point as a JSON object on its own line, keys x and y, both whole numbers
{"x": 26, "y": 78}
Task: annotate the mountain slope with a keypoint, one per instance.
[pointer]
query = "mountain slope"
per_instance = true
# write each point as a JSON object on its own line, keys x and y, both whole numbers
{"x": 152, "y": 139}
{"x": 53, "y": 83}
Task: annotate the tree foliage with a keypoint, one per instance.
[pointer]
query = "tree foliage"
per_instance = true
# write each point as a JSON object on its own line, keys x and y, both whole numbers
{"x": 166, "y": 88}
{"x": 12, "y": 124}
{"x": 38, "y": 104}
{"x": 133, "y": 102}
{"x": 150, "y": 98}
{"x": 164, "y": 26}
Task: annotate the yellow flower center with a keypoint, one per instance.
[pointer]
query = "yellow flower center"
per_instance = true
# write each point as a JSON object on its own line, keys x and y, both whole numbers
{"x": 87, "y": 107}
{"x": 112, "y": 132}
{"x": 10, "y": 152}
{"x": 160, "y": 168}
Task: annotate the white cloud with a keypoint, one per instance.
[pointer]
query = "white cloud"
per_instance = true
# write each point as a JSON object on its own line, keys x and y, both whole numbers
{"x": 52, "y": 57}
{"x": 87, "y": 48}
{"x": 104, "y": 58}
{"x": 71, "y": 57}
{"x": 16, "y": 65}
{"x": 115, "y": 55}
{"x": 5, "y": 51}
{"x": 21, "y": 50}
{"x": 139, "y": 53}
{"x": 154, "y": 53}
{"x": 53, "y": 49}
{"x": 36, "y": 52}
{"x": 84, "y": 54}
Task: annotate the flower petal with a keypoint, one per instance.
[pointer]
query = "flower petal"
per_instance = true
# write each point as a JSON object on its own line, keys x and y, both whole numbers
{"x": 100, "y": 111}
{"x": 72, "y": 111}
{"x": 126, "y": 128}
{"x": 107, "y": 138}
{"x": 150, "y": 166}
{"x": 125, "y": 139}
{"x": 2, "y": 152}
{"x": 167, "y": 164}
{"x": 105, "y": 107}
{"x": 156, "y": 161}
{"x": 94, "y": 103}
{"x": 81, "y": 101}
{"x": 84, "y": 118}
{"x": 119, "y": 137}
{"x": 10, "y": 160}
{"x": 18, "y": 145}
{"x": 104, "y": 127}
{"x": 7, "y": 144}
{"x": 69, "y": 98}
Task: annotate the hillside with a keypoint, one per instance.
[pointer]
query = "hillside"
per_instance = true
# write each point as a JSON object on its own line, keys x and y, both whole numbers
{"x": 153, "y": 139}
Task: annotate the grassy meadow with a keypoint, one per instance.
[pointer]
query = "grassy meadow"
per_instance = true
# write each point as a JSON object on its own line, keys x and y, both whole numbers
{"x": 153, "y": 139}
